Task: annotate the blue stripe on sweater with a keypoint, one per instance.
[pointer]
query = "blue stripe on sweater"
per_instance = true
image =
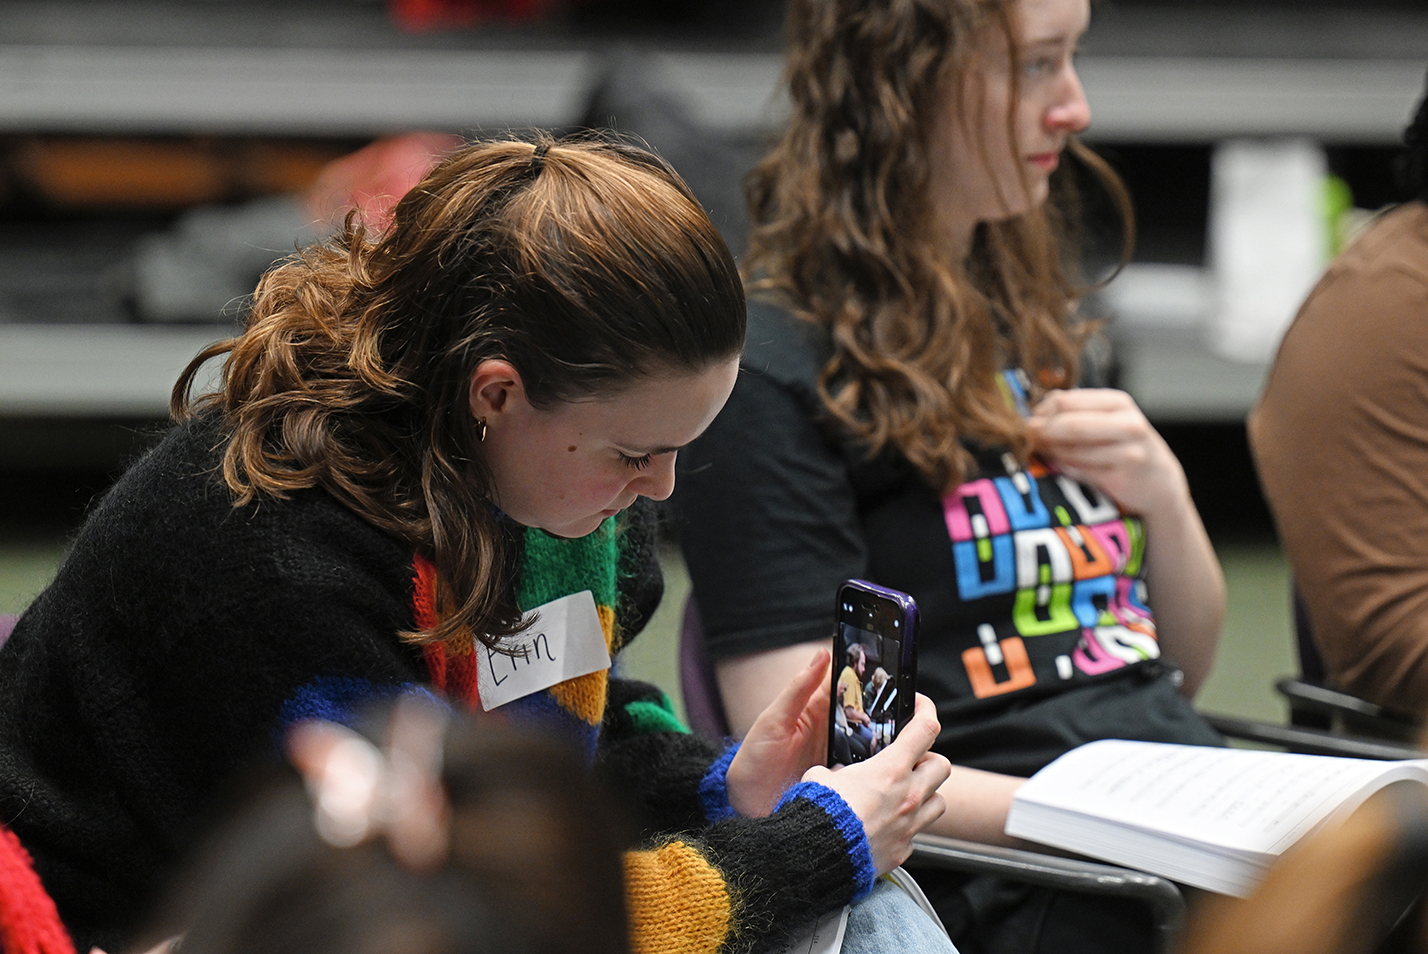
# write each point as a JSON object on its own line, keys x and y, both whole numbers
{"x": 714, "y": 788}
{"x": 542, "y": 711}
{"x": 339, "y": 699}
{"x": 847, "y": 824}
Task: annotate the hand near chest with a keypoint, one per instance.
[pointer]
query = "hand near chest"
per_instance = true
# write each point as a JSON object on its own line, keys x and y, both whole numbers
{"x": 1100, "y": 437}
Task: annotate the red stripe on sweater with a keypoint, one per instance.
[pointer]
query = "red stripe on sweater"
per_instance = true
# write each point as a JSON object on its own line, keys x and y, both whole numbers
{"x": 424, "y": 593}
{"x": 454, "y": 676}
{"x": 29, "y": 923}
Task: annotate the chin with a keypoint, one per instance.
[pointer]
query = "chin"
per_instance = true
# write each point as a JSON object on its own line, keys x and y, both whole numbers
{"x": 576, "y": 528}
{"x": 1039, "y": 189}
{"x": 1022, "y": 201}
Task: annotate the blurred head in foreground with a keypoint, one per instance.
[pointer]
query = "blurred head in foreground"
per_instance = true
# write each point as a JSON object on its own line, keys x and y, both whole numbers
{"x": 480, "y": 839}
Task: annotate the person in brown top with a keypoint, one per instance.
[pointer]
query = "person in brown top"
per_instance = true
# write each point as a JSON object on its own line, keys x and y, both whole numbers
{"x": 1340, "y": 438}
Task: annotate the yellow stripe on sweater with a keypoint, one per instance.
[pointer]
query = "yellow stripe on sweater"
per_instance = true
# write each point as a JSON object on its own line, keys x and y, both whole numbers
{"x": 584, "y": 696}
{"x": 678, "y": 903}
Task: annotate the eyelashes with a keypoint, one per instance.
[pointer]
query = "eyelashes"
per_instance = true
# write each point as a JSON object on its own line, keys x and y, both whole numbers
{"x": 1046, "y": 65}
{"x": 636, "y": 463}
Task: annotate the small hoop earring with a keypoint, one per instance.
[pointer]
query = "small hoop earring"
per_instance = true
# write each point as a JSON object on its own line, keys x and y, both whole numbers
{"x": 480, "y": 430}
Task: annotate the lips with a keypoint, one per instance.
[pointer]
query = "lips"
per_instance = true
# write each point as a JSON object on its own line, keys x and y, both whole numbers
{"x": 1045, "y": 161}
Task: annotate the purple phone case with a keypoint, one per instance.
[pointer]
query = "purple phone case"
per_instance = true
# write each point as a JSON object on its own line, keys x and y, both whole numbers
{"x": 905, "y": 608}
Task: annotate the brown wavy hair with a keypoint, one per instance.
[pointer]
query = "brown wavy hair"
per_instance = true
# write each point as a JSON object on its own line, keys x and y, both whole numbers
{"x": 843, "y": 237}
{"x": 586, "y": 263}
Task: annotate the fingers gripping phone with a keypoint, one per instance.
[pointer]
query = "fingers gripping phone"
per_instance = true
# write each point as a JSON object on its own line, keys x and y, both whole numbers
{"x": 874, "y": 670}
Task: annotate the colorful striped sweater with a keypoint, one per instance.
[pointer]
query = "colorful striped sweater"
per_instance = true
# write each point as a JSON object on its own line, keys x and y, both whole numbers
{"x": 181, "y": 634}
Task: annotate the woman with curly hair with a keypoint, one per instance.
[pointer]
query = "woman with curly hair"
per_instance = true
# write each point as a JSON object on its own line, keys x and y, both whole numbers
{"x": 908, "y": 414}
{"x": 423, "y": 466}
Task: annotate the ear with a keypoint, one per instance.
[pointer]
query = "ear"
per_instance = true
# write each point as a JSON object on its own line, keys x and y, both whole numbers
{"x": 496, "y": 389}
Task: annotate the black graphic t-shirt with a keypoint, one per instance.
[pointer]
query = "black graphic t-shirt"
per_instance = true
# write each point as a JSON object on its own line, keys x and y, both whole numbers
{"x": 1036, "y": 633}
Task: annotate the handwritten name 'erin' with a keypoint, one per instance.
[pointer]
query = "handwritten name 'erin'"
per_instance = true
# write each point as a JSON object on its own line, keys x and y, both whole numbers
{"x": 569, "y": 643}
{"x": 535, "y": 650}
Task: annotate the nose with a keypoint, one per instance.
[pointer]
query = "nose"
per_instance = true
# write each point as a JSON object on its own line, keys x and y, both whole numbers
{"x": 657, "y": 480}
{"x": 1070, "y": 113}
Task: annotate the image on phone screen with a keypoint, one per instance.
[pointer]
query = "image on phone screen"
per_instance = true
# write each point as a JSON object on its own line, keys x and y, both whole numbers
{"x": 865, "y": 704}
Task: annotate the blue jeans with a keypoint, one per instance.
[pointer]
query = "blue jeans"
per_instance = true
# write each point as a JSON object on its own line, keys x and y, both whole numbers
{"x": 888, "y": 921}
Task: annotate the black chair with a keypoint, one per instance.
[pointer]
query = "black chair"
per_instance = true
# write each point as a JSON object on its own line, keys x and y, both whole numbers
{"x": 1162, "y": 896}
{"x": 1316, "y": 703}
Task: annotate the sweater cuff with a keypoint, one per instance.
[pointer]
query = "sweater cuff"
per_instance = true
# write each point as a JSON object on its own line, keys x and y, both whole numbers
{"x": 848, "y": 825}
{"x": 714, "y": 788}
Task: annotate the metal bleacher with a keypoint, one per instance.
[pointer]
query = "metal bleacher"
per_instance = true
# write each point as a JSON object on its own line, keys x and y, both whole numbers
{"x": 1178, "y": 75}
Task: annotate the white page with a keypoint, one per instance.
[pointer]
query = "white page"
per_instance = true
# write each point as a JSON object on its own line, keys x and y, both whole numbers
{"x": 824, "y": 937}
{"x": 1245, "y": 800}
{"x": 1203, "y": 866}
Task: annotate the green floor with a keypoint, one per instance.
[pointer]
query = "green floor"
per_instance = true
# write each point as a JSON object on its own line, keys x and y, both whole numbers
{"x": 1256, "y": 646}
{"x": 25, "y": 568}
{"x": 1258, "y": 643}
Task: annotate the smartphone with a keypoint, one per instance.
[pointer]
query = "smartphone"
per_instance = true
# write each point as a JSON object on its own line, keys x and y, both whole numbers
{"x": 874, "y": 670}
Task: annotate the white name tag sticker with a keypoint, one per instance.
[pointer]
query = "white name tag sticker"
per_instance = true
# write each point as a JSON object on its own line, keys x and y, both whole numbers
{"x": 566, "y": 641}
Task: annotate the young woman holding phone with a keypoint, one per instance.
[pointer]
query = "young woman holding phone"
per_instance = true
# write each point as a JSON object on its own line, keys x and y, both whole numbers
{"x": 908, "y": 414}
{"x": 427, "y": 445}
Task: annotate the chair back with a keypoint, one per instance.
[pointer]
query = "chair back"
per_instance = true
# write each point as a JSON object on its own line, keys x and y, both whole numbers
{"x": 1311, "y": 664}
{"x": 702, "y": 702}
{"x": 1316, "y": 703}
{"x": 7, "y": 626}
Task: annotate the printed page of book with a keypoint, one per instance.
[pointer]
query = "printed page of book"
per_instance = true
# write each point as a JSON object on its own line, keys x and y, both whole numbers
{"x": 1247, "y": 801}
{"x": 1204, "y": 866}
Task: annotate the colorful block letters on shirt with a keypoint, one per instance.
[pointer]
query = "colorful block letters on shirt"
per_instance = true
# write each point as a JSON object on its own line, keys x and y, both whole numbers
{"x": 1068, "y": 562}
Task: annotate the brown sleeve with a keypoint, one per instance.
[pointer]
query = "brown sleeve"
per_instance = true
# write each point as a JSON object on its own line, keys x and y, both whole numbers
{"x": 1340, "y": 438}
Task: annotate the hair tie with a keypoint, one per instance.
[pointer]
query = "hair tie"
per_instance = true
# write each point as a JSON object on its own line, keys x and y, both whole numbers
{"x": 538, "y": 158}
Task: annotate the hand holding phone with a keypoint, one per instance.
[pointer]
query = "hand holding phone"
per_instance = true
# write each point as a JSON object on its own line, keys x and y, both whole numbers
{"x": 874, "y": 675}
{"x": 895, "y": 793}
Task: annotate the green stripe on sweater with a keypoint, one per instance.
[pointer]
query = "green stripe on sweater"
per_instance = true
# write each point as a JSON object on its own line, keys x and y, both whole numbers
{"x": 648, "y": 716}
{"x": 554, "y": 567}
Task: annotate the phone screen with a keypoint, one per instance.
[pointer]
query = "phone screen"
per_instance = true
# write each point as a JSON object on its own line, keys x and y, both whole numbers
{"x": 867, "y": 667}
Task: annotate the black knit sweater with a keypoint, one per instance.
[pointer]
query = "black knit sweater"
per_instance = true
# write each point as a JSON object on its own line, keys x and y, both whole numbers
{"x": 180, "y": 634}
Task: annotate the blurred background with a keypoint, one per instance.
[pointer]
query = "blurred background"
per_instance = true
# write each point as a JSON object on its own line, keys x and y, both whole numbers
{"x": 156, "y": 155}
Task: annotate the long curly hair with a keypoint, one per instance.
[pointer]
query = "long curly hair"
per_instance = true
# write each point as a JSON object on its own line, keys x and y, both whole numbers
{"x": 843, "y": 236}
{"x": 585, "y": 263}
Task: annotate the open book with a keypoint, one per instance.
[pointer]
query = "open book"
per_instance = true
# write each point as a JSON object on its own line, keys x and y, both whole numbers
{"x": 1213, "y": 818}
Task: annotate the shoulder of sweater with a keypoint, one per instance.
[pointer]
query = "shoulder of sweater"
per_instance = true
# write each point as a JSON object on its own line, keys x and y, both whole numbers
{"x": 174, "y": 496}
{"x": 641, "y": 580}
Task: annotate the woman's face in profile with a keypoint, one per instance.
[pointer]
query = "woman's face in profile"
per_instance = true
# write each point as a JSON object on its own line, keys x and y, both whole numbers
{"x": 564, "y": 469}
{"x": 980, "y": 170}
